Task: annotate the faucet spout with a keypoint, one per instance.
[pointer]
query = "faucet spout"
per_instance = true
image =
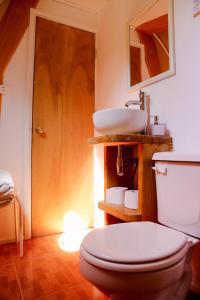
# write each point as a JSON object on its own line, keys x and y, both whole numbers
{"x": 133, "y": 102}
{"x": 144, "y": 105}
{"x": 141, "y": 102}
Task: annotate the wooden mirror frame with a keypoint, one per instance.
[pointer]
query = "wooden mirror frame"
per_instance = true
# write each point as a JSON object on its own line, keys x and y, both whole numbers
{"x": 172, "y": 66}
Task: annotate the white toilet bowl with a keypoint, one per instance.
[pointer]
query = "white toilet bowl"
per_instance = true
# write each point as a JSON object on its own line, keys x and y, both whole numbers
{"x": 144, "y": 260}
{"x": 140, "y": 260}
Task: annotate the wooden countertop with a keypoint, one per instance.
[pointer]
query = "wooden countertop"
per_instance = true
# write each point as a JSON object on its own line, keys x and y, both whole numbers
{"x": 110, "y": 140}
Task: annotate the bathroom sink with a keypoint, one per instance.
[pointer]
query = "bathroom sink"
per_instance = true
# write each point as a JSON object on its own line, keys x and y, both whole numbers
{"x": 119, "y": 121}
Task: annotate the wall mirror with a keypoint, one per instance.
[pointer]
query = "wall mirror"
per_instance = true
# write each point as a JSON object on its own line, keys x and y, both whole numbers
{"x": 151, "y": 44}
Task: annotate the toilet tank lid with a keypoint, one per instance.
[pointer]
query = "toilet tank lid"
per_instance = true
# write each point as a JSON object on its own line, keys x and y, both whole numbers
{"x": 176, "y": 156}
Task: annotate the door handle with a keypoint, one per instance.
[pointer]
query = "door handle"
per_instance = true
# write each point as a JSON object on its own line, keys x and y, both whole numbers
{"x": 40, "y": 130}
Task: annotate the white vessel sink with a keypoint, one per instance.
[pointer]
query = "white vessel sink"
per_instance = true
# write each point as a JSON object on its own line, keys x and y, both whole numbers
{"x": 119, "y": 121}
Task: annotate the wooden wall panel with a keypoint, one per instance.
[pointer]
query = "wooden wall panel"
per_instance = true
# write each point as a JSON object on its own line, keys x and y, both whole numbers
{"x": 110, "y": 170}
{"x": 63, "y": 105}
{"x": 151, "y": 56}
{"x": 3, "y": 7}
{"x": 163, "y": 57}
{"x": 135, "y": 65}
{"x": 157, "y": 25}
{"x": 146, "y": 180}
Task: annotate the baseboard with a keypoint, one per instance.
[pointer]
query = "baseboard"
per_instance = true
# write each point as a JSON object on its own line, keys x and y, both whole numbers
{"x": 12, "y": 240}
{"x": 7, "y": 241}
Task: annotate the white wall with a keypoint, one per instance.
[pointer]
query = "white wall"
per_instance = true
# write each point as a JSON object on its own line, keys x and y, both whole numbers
{"x": 73, "y": 15}
{"x": 15, "y": 126}
{"x": 12, "y": 131}
{"x": 112, "y": 53}
{"x": 176, "y": 100}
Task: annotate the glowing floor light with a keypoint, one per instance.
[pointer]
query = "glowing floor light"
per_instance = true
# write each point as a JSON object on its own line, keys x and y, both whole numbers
{"x": 70, "y": 242}
{"x": 74, "y": 232}
{"x": 74, "y": 227}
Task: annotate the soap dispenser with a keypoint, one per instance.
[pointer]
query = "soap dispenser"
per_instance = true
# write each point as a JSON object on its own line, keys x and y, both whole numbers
{"x": 156, "y": 128}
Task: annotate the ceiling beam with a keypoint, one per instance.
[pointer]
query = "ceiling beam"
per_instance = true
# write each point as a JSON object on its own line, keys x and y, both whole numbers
{"x": 157, "y": 25}
{"x": 12, "y": 28}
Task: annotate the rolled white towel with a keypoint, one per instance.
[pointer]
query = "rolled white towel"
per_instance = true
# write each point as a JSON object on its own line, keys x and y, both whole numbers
{"x": 7, "y": 196}
{"x": 9, "y": 192}
{"x": 7, "y": 189}
{"x": 6, "y": 178}
{"x": 6, "y": 200}
{"x": 4, "y": 188}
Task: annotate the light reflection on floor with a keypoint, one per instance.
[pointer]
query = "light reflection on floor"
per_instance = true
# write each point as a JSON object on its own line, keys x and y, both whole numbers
{"x": 70, "y": 241}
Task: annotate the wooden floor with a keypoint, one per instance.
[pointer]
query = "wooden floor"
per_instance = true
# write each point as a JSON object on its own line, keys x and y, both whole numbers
{"x": 45, "y": 273}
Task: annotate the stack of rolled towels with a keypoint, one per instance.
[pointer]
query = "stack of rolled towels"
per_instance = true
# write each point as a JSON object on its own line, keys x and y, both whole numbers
{"x": 122, "y": 196}
{"x": 7, "y": 188}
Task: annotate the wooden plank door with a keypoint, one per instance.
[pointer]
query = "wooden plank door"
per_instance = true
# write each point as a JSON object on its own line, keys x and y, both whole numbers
{"x": 63, "y": 104}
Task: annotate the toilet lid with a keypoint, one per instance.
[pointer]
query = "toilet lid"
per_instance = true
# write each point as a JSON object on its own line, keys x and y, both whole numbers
{"x": 134, "y": 242}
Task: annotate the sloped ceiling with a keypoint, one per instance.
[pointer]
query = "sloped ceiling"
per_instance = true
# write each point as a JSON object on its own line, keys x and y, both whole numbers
{"x": 3, "y": 7}
{"x": 94, "y": 6}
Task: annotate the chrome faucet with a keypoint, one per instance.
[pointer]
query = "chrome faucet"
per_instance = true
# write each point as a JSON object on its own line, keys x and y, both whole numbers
{"x": 141, "y": 103}
{"x": 144, "y": 105}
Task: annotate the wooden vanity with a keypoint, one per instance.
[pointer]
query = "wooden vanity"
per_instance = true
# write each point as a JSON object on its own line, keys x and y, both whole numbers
{"x": 137, "y": 149}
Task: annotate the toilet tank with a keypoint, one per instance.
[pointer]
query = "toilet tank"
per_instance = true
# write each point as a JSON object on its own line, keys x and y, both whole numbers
{"x": 178, "y": 191}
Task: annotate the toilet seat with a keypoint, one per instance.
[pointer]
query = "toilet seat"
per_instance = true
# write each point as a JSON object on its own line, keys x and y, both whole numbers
{"x": 143, "y": 267}
{"x": 134, "y": 247}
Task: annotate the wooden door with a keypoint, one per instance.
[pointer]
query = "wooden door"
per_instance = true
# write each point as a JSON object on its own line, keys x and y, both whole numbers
{"x": 63, "y": 104}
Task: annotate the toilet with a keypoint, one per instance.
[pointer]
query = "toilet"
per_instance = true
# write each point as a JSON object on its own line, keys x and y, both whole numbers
{"x": 146, "y": 260}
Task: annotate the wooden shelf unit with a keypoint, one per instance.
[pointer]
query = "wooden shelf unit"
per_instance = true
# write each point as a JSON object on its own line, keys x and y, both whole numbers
{"x": 134, "y": 146}
{"x": 128, "y": 139}
{"x": 120, "y": 212}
